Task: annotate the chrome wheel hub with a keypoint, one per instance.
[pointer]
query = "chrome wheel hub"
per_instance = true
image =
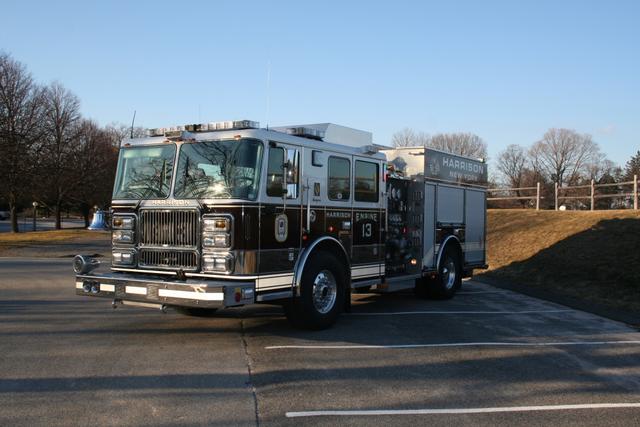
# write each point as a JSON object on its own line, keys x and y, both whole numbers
{"x": 449, "y": 273}
{"x": 325, "y": 290}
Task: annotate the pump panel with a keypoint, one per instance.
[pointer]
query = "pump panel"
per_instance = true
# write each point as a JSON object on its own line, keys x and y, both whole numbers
{"x": 405, "y": 221}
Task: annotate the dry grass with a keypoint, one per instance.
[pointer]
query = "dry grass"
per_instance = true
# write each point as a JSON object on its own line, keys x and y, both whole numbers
{"x": 592, "y": 256}
{"x": 8, "y": 240}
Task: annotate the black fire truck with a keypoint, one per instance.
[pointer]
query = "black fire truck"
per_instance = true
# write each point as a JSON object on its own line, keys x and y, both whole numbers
{"x": 227, "y": 214}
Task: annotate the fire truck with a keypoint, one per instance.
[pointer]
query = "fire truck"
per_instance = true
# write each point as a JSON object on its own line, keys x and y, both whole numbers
{"x": 227, "y": 214}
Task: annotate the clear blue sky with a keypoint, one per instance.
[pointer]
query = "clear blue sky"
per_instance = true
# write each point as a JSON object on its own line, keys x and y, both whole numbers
{"x": 506, "y": 70}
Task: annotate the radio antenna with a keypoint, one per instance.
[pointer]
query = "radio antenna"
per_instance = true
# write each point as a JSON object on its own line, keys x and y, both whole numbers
{"x": 133, "y": 122}
{"x": 268, "y": 91}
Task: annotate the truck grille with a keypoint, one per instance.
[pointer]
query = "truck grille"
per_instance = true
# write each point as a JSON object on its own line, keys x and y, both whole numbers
{"x": 168, "y": 259}
{"x": 174, "y": 228}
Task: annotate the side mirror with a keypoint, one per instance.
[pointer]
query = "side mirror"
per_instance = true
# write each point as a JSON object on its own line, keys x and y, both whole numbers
{"x": 285, "y": 168}
{"x": 289, "y": 175}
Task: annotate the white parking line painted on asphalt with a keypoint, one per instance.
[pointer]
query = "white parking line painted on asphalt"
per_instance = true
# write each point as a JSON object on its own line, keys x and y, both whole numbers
{"x": 457, "y": 344}
{"x": 379, "y": 412}
{"x": 479, "y": 292}
{"x": 404, "y": 313}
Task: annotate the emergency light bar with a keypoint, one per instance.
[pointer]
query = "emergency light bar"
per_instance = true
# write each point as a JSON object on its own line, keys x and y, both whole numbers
{"x": 206, "y": 127}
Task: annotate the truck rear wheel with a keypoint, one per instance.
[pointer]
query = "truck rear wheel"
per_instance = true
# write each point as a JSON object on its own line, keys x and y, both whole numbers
{"x": 447, "y": 281}
{"x": 322, "y": 293}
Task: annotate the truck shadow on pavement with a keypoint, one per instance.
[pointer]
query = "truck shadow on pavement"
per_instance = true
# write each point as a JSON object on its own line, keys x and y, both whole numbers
{"x": 505, "y": 367}
{"x": 386, "y": 319}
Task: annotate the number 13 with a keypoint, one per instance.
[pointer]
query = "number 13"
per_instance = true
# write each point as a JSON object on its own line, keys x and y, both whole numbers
{"x": 366, "y": 230}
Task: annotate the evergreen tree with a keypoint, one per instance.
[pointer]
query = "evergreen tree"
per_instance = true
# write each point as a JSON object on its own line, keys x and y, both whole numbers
{"x": 633, "y": 167}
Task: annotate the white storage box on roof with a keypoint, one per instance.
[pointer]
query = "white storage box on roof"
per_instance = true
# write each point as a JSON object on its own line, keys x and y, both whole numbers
{"x": 335, "y": 134}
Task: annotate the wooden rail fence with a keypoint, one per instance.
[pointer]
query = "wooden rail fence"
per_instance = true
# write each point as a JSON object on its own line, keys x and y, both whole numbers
{"x": 560, "y": 193}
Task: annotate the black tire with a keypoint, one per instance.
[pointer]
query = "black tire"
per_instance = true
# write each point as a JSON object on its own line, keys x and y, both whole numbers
{"x": 319, "y": 312}
{"x": 421, "y": 288}
{"x": 448, "y": 280}
{"x": 197, "y": 311}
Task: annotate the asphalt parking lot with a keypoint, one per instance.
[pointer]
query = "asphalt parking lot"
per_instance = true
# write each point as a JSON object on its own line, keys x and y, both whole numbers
{"x": 487, "y": 357}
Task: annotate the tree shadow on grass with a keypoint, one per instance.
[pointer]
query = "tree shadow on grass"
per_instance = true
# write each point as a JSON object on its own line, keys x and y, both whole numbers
{"x": 596, "y": 267}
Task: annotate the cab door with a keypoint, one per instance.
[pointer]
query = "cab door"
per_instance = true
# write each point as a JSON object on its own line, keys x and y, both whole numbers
{"x": 367, "y": 250}
{"x": 280, "y": 215}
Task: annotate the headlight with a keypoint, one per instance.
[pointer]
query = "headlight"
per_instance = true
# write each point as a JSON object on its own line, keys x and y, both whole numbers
{"x": 216, "y": 231}
{"x": 216, "y": 224}
{"x": 218, "y": 262}
{"x": 122, "y": 257}
{"x": 215, "y": 240}
{"x": 121, "y": 222}
{"x": 122, "y": 236}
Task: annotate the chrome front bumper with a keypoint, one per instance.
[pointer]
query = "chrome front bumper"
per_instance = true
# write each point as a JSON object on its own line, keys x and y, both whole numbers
{"x": 155, "y": 290}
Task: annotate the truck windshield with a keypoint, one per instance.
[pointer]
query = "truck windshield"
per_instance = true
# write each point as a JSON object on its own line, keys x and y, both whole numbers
{"x": 144, "y": 172}
{"x": 219, "y": 170}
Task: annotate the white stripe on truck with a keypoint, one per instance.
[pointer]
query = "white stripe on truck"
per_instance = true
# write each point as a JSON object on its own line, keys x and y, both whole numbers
{"x": 104, "y": 287}
{"x": 136, "y": 290}
{"x": 210, "y": 296}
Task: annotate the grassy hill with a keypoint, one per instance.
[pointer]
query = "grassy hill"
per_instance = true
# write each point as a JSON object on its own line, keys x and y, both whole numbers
{"x": 55, "y": 243}
{"x": 589, "y": 256}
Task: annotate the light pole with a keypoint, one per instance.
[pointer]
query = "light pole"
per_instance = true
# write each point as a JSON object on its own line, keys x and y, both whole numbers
{"x": 35, "y": 206}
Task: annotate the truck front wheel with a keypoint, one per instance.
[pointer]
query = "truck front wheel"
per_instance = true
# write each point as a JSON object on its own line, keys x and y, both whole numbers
{"x": 322, "y": 293}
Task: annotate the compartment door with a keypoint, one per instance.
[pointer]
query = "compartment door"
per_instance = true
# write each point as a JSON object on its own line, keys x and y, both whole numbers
{"x": 475, "y": 212}
{"x": 429, "y": 227}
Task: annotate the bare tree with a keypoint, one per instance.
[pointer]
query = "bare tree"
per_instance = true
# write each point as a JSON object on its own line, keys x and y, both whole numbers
{"x": 512, "y": 164}
{"x": 563, "y": 154}
{"x": 404, "y": 138}
{"x": 59, "y": 147}
{"x": 120, "y": 131}
{"x": 20, "y": 112}
{"x": 464, "y": 144}
{"x": 422, "y": 139}
{"x": 515, "y": 168}
{"x": 601, "y": 167}
{"x": 96, "y": 160}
